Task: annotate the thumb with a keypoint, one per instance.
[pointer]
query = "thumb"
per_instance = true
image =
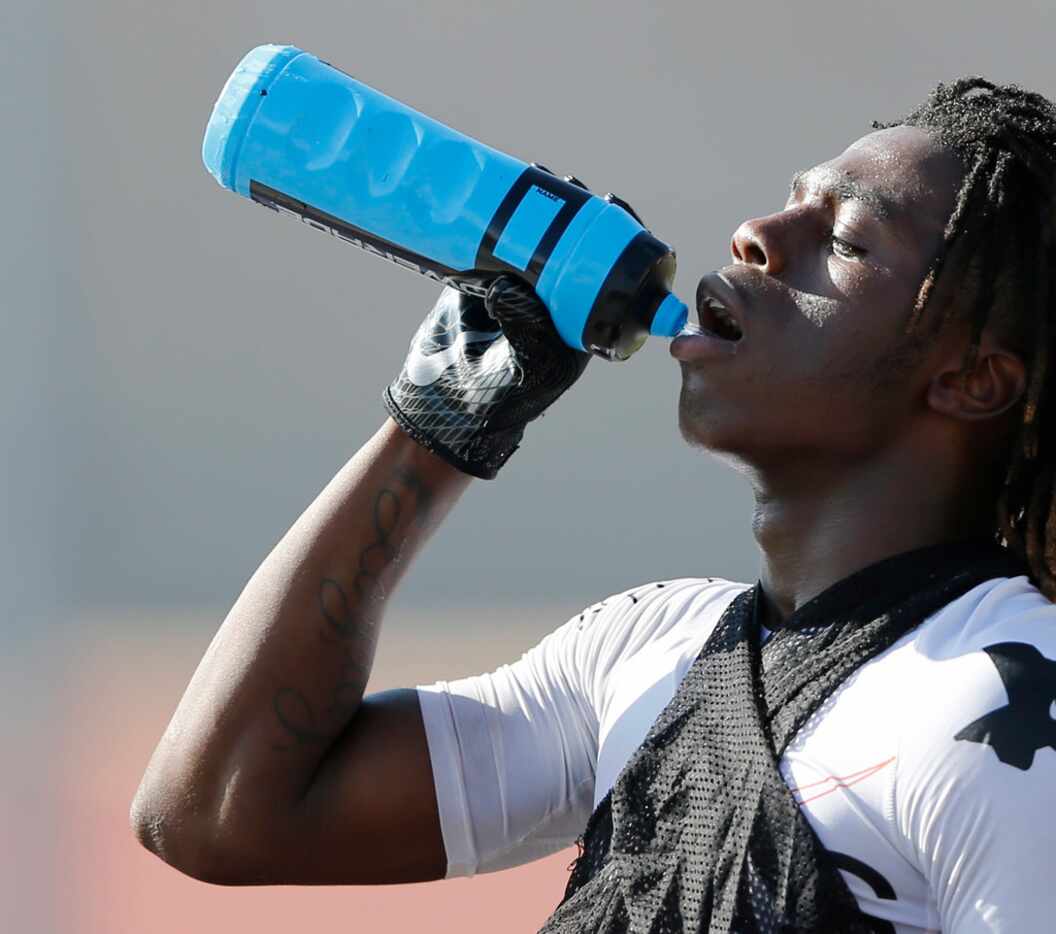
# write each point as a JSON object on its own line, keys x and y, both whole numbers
{"x": 511, "y": 300}
{"x": 537, "y": 347}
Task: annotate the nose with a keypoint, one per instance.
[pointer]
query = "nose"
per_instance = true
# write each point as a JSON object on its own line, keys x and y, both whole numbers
{"x": 757, "y": 243}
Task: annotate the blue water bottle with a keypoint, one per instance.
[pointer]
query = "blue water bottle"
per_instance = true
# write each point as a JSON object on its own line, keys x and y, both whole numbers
{"x": 297, "y": 135}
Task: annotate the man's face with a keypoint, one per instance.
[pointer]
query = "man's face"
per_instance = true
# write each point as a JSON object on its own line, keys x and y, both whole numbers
{"x": 821, "y": 291}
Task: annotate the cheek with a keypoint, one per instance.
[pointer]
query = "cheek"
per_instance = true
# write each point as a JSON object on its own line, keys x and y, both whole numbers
{"x": 865, "y": 312}
{"x": 819, "y": 311}
{"x": 842, "y": 289}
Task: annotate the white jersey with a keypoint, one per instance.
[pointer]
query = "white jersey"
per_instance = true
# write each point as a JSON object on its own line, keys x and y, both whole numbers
{"x": 930, "y": 775}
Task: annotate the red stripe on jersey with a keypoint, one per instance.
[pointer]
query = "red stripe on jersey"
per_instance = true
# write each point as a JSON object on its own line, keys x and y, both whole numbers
{"x": 834, "y": 781}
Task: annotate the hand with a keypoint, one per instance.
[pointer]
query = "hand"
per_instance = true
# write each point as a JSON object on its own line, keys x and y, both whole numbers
{"x": 478, "y": 371}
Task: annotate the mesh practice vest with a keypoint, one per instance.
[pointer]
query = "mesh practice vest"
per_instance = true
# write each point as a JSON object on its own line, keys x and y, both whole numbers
{"x": 700, "y": 833}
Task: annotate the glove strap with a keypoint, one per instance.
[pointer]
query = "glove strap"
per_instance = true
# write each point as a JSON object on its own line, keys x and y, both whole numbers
{"x": 483, "y": 457}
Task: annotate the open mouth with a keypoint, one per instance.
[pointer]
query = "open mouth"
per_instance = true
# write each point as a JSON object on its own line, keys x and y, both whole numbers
{"x": 717, "y": 319}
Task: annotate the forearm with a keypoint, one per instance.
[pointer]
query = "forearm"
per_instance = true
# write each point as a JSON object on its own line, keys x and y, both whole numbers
{"x": 286, "y": 672}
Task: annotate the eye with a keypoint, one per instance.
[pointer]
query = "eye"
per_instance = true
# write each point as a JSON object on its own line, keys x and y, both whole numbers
{"x": 845, "y": 249}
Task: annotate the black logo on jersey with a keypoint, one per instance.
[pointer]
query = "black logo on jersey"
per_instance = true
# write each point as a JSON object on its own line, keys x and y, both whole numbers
{"x": 1026, "y": 724}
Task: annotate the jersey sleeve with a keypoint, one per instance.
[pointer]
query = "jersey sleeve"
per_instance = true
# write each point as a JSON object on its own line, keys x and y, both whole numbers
{"x": 514, "y": 752}
{"x": 976, "y": 798}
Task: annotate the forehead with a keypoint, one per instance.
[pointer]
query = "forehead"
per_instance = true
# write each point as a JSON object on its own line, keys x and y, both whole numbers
{"x": 903, "y": 173}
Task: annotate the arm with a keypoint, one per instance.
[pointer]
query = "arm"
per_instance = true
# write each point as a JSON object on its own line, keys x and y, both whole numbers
{"x": 273, "y": 769}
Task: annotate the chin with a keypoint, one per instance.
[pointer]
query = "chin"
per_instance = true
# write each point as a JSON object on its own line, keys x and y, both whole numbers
{"x": 703, "y": 419}
{"x": 702, "y": 429}
{"x": 691, "y": 432}
{"x": 727, "y": 440}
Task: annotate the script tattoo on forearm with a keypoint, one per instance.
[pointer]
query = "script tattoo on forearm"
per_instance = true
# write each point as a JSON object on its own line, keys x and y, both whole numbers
{"x": 350, "y": 623}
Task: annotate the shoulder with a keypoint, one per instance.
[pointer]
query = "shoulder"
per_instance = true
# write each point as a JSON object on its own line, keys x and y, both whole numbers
{"x": 994, "y": 645}
{"x": 624, "y": 622}
{"x": 978, "y": 734}
{"x": 606, "y": 635}
{"x": 975, "y": 794}
{"x": 657, "y": 626}
{"x": 994, "y": 609}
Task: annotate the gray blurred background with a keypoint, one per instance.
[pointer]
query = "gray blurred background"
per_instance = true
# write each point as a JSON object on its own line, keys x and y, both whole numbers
{"x": 183, "y": 371}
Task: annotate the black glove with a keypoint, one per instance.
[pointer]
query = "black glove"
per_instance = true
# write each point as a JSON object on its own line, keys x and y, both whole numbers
{"x": 478, "y": 370}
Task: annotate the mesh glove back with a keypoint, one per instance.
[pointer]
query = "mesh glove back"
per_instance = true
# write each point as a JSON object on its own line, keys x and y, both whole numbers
{"x": 478, "y": 370}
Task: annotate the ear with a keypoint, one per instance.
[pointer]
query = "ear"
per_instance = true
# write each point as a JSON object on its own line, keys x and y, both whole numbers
{"x": 991, "y": 387}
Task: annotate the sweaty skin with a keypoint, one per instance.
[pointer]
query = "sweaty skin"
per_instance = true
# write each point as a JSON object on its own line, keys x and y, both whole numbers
{"x": 852, "y": 453}
{"x": 276, "y": 769}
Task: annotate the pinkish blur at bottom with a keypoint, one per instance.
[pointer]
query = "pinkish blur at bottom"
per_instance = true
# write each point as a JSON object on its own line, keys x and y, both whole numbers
{"x": 127, "y": 684}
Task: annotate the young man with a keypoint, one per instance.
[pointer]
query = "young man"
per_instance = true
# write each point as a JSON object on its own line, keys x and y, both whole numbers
{"x": 865, "y": 740}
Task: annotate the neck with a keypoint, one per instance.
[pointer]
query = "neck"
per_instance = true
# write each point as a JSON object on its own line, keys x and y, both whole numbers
{"x": 816, "y": 528}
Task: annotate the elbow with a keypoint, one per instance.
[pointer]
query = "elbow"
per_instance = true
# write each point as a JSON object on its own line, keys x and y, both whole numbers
{"x": 190, "y": 842}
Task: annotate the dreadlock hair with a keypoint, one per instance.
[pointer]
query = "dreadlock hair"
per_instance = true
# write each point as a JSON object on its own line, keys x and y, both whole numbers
{"x": 998, "y": 256}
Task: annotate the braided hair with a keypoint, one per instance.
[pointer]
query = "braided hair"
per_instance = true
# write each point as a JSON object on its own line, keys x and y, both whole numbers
{"x": 998, "y": 253}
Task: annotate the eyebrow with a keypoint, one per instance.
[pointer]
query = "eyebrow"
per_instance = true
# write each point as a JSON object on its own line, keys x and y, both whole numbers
{"x": 845, "y": 188}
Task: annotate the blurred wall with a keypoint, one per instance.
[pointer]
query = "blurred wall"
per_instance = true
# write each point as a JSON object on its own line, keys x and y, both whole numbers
{"x": 42, "y": 405}
{"x": 237, "y": 358}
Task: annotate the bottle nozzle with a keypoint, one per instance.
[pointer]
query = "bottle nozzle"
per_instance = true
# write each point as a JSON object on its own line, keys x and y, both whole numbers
{"x": 670, "y": 317}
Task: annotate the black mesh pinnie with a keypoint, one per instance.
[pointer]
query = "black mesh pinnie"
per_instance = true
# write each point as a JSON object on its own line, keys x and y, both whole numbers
{"x": 700, "y": 833}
